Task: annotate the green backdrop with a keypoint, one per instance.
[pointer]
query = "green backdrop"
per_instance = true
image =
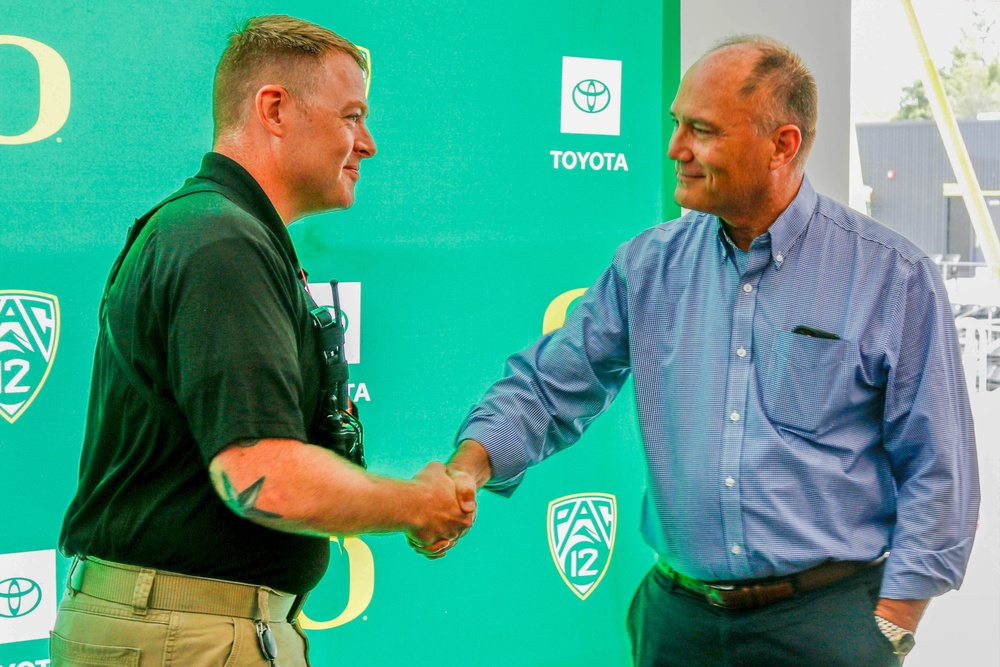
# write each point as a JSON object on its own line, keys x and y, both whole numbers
{"x": 466, "y": 228}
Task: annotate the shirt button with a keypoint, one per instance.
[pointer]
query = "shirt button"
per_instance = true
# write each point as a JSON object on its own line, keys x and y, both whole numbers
{"x": 740, "y": 352}
{"x": 747, "y": 287}
{"x": 737, "y": 549}
{"x": 730, "y": 482}
{"x": 735, "y": 416}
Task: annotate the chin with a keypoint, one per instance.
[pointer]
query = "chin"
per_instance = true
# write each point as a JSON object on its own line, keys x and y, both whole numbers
{"x": 337, "y": 201}
{"x": 346, "y": 200}
{"x": 684, "y": 198}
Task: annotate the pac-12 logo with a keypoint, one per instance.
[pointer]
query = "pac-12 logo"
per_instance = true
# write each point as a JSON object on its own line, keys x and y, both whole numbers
{"x": 581, "y": 531}
{"x": 29, "y": 335}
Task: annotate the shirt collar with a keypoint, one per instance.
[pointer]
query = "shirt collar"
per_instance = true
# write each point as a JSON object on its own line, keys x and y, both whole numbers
{"x": 726, "y": 245}
{"x": 789, "y": 226}
{"x": 784, "y": 231}
{"x": 245, "y": 192}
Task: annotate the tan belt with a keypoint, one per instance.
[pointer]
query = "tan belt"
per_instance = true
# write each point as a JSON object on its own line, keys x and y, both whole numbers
{"x": 754, "y": 594}
{"x": 145, "y": 589}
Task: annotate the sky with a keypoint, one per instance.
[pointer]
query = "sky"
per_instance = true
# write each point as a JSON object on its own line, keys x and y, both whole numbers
{"x": 884, "y": 57}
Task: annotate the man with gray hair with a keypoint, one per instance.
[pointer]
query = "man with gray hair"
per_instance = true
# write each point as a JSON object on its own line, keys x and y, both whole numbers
{"x": 812, "y": 477}
{"x": 210, "y": 483}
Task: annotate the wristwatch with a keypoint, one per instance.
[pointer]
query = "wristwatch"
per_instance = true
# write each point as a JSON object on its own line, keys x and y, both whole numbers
{"x": 902, "y": 640}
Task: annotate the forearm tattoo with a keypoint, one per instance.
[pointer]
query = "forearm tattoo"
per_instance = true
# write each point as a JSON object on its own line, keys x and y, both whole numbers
{"x": 244, "y": 502}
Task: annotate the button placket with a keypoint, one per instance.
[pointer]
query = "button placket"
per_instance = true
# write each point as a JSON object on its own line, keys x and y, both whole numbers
{"x": 738, "y": 379}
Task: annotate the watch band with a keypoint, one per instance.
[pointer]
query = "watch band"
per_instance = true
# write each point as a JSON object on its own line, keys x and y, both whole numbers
{"x": 902, "y": 640}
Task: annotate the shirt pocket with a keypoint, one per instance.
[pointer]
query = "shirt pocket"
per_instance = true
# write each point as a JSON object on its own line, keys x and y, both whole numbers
{"x": 807, "y": 381}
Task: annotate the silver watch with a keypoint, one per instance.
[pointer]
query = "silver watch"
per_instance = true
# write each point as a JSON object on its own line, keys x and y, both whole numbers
{"x": 902, "y": 640}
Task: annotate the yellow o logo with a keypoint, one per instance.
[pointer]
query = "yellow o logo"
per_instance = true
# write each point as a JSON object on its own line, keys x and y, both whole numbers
{"x": 362, "y": 585}
{"x": 555, "y": 314}
{"x": 53, "y": 89}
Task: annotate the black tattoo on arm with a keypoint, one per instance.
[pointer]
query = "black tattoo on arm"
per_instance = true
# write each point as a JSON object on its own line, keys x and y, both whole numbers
{"x": 244, "y": 502}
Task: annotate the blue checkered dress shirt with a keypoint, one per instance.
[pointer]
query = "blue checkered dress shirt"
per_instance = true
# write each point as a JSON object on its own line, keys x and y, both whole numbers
{"x": 769, "y": 451}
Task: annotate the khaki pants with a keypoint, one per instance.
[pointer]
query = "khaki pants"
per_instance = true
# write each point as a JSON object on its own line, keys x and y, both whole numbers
{"x": 94, "y": 632}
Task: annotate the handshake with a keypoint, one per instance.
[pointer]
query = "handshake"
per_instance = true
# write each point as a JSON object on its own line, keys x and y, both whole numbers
{"x": 446, "y": 508}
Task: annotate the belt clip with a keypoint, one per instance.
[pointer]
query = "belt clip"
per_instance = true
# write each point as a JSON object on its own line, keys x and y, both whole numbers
{"x": 268, "y": 645}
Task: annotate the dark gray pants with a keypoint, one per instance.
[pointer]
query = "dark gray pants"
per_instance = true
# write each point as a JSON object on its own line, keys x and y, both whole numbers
{"x": 833, "y": 626}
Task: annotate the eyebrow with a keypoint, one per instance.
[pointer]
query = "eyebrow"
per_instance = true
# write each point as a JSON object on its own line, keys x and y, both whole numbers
{"x": 360, "y": 104}
{"x": 694, "y": 121}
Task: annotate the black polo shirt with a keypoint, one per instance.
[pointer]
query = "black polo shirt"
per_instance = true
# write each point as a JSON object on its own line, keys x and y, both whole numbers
{"x": 210, "y": 311}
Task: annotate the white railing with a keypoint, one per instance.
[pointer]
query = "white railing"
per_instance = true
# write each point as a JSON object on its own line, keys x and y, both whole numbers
{"x": 975, "y": 293}
{"x": 980, "y": 339}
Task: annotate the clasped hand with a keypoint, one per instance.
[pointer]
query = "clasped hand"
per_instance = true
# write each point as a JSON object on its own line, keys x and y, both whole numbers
{"x": 447, "y": 511}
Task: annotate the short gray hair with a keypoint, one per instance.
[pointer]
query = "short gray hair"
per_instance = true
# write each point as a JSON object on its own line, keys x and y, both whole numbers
{"x": 788, "y": 87}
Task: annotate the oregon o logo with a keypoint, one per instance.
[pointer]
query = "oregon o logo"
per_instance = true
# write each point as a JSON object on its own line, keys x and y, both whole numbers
{"x": 361, "y": 584}
{"x": 53, "y": 91}
{"x": 555, "y": 314}
{"x": 591, "y": 96}
{"x": 19, "y": 597}
{"x": 368, "y": 56}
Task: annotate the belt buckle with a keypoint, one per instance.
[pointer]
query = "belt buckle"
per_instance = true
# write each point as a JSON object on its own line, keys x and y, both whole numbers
{"x": 713, "y": 594}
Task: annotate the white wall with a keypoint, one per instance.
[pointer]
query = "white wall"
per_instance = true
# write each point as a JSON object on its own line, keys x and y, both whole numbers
{"x": 819, "y": 31}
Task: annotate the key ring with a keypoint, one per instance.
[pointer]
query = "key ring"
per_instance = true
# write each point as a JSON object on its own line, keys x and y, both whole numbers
{"x": 268, "y": 645}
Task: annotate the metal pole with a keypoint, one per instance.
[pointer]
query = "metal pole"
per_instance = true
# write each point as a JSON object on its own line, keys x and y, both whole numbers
{"x": 958, "y": 155}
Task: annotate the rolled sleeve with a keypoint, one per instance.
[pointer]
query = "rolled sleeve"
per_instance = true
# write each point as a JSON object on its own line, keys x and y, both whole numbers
{"x": 930, "y": 440}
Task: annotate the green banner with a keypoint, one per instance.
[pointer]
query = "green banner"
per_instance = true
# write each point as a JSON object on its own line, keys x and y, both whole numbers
{"x": 518, "y": 145}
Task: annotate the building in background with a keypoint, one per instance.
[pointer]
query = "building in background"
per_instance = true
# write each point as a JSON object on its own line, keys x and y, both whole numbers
{"x": 913, "y": 190}
{"x": 913, "y": 187}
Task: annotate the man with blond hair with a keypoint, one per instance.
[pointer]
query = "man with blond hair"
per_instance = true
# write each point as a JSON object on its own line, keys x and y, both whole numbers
{"x": 800, "y": 395}
{"x": 207, "y": 494}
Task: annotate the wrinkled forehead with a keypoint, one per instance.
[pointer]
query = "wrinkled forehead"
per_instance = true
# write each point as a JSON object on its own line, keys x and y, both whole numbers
{"x": 713, "y": 83}
{"x": 728, "y": 67}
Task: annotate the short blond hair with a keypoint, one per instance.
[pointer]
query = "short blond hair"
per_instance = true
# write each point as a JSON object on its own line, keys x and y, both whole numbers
{"x": 276, "y": 49}
{"x": 788, "y": 88}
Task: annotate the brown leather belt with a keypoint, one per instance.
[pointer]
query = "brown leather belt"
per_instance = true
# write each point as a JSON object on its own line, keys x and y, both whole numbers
{"x": 754, "y": 594}
{"x": 157, "y": 589}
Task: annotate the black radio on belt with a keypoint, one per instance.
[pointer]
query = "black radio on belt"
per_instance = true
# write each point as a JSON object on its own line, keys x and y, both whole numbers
{"x": 337, "y": 426}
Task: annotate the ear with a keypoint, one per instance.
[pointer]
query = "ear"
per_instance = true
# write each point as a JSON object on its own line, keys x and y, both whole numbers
{"x": 787, "y": 139}
{"x": 271, "y": 107}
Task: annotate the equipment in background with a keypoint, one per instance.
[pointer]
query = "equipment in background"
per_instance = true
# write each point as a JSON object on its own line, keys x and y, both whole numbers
{"x": 337, "y": 426}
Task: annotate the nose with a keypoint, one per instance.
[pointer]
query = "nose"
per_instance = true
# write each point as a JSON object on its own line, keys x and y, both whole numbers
{"x": 677, "y": 148}
{"x": 364, "y": 143}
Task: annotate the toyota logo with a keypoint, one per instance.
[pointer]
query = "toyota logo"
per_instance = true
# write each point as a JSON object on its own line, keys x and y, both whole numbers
{"x": 591, "y": 96}
{"x": 19, "y": 597}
